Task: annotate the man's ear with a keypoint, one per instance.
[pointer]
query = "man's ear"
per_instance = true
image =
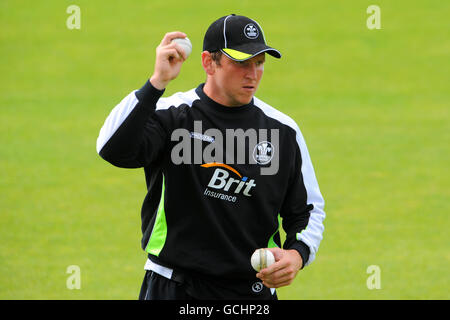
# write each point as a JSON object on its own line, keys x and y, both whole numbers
{"x": 208, "y": 64}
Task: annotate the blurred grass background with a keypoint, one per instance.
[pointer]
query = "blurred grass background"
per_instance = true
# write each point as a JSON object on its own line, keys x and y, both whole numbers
{"x": 373, "y": 106}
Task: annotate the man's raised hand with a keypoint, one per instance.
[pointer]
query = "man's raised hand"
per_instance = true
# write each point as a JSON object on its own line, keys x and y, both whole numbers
{"x": 169, "y": 58}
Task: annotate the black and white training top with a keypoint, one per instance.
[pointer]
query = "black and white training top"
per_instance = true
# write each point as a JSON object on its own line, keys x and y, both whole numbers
{"x": 220, "y": 181}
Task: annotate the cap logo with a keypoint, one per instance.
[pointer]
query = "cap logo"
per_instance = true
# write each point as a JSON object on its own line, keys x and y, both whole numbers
{"x": 251, "y": 31}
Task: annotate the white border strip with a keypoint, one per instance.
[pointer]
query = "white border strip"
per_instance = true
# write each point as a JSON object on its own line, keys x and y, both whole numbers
{"x": 165, "y": 272}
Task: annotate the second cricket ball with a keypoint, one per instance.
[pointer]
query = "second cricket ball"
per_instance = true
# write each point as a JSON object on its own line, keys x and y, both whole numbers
{"x": 261, "y": 258}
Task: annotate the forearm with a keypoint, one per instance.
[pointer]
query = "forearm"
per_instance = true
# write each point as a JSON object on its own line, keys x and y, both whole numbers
{"x": 303, "y": 213}
{"x": 302, "y": 249}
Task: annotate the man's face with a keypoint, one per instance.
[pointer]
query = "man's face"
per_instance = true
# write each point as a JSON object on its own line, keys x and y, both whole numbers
{"x": 238, "y": 81}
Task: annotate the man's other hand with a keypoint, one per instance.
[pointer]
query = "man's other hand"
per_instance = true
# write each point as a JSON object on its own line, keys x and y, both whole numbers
{"x": 283, "y": 271}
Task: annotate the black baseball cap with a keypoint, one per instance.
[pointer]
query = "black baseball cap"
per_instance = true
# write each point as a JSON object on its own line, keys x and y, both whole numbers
{"x": 238, "y": 37}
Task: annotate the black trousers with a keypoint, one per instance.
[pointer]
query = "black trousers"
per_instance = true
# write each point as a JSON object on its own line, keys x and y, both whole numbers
{"x": 157, "y": 287}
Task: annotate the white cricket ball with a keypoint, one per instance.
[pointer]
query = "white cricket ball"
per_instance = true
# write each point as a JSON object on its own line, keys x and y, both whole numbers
{"x": 184, "y": 43}
{"x": 261, "y": 258}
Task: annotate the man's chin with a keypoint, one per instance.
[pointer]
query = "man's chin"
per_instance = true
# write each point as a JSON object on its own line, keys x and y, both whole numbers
{"x": 241, "y": 99}
{"x": 246, "y": 99}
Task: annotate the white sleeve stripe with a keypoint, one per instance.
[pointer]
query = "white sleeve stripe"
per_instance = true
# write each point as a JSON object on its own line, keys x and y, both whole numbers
{"x": 127, "y": 105}
{"x": 115, "y": 119}
{"x": 177, "y": 99}
{"x": 312, "y": 234}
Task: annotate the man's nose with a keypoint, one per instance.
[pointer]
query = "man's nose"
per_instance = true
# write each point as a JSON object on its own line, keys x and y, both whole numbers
{"x": 251, "y": 71}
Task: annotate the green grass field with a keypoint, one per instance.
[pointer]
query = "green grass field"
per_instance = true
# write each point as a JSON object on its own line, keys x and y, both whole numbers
{"x": 373, "y": 106}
